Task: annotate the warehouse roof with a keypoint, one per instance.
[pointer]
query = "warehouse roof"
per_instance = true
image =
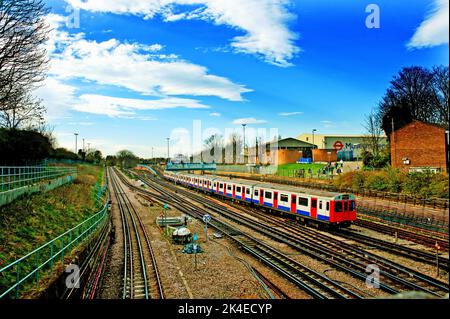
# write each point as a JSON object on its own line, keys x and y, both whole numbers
{"x": 293, "y": 143}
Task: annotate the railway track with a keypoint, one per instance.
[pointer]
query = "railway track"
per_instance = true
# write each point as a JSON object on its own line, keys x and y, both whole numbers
{"x": 315, "y": 284}
{"x": 404, "y": 234}
{"x": 141, "y": 278}
{"x": 394, "y": 248}
{"x": 366, "y": 241}
{"x": 394, "y": 277}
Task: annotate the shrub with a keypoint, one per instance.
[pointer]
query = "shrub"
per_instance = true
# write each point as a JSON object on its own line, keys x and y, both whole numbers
{"x": 377, "y": 181}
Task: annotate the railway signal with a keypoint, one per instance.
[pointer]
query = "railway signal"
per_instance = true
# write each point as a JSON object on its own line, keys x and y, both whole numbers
{"x": 195, "y": 246}
{"x": 206, "y": 220}
{"x": 438, "y": 247}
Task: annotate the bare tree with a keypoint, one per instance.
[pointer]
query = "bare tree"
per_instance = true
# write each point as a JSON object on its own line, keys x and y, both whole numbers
{"x": 373, "y": 137}
{"x": 213, "y": 145}
{"x": 441, "y": 91}
{"x": 22, "y": 111}
{"x": 23, "y": 59}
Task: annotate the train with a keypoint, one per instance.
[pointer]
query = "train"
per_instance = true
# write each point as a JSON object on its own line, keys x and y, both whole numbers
{"x": 308, "y": 206}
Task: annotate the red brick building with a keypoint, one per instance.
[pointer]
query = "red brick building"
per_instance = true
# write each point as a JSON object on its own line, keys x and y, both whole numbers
{"x": 419, "y": 145}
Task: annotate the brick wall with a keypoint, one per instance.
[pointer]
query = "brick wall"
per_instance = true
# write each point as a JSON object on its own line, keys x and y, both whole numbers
{"x": 422, "y": 144}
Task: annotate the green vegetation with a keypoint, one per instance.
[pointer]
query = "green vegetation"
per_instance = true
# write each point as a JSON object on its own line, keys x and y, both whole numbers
{"x": 32, "y": 221}
{"x": 423, "y": 185}
{"x": 292, "y": 170}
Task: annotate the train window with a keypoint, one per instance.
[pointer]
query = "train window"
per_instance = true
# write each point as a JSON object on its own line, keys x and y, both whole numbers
{"x": 221, "y": 185}
{"x": 328, "y": 206}
{"x": 238, "y": 189}
{"x": 256, "y": 192}
{"x": 247, "y": 191}
{"x": 229, "y": 187}
{"x": 313, "y": 203}
{"x": 268, "y": 195}
{"x": 284, "y": 198}
{"x": 345, "y": 206}
{"x": 303, "y": 201}
{"x": 338, "y": 207}
{"x": 320, "y": 204}
{"x": 352, "y": 206}
{"x": 215, "y": 184}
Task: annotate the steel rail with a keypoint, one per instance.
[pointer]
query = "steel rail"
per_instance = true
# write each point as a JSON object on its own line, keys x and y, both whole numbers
{"x": 157, "y": 278}
{"x": 396, "y": 272}
{"x": 315, "y": 284}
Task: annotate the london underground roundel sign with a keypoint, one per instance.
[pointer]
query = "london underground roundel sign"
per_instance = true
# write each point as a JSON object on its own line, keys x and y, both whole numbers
{"x": 338, "y": 145}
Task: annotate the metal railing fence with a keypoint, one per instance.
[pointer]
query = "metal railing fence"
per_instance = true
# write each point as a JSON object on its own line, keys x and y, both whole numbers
{"x": 12, "y": 177}
{"x": 30, "y": 268}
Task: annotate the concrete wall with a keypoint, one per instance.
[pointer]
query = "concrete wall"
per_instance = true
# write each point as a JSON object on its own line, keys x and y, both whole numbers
{"x": 44, "y": 186}
{"x": 423, "y": 145}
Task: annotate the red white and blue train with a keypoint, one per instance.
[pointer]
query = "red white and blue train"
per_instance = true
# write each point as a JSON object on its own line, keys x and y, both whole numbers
{"x": 307, "y": 205}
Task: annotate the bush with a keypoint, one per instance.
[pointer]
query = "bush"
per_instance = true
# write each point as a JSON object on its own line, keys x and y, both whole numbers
{"x": 422, "y": 185}
{"x": 377, "y": 181}
{"x": 19, "y": 147}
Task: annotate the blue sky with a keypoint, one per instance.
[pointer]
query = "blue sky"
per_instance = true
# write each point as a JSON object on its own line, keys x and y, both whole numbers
{"x": 132, "y": 71}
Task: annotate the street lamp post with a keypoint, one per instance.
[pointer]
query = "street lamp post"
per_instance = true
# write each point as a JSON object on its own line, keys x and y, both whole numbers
{"x": 168, "y": 149}
{"x": 76, "y": 142}
{"x": 314, "y": 145}
{"x": 243, "y": 126}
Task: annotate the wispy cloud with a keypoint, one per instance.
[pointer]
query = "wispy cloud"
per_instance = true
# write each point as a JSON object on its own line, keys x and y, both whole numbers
{"x": 81, "y": 123}
{"x": 126, "y": 107}
{"x": 215, "y": 114}
{"x": 248, "y": 120}
{"x": 264, "y": 22}
{"x": 289, "y": 113}
{"x": 327, "y": 124}
{"x": 434, "y": 30}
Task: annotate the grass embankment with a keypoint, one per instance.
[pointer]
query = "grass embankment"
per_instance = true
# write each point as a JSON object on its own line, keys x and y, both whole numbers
{"x": 32, "y": 221}
{"x": 423, "y": 185}
{"x": 292, "y": 169}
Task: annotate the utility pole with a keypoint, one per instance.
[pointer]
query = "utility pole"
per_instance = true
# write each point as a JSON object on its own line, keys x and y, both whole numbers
{"x": 393, "y": 143}
{"x": 83, "y": 146}
{"x": 76, "y": 142}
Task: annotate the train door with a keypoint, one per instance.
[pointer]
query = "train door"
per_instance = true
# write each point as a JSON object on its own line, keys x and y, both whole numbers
{"x": 234, "y": 191}
{"x": 275, "y": 199}
{"x": 261, "y": 197}
{"x": 314, "y": 208}
{"x": 243, "y": 193}
{"x": 293, "y": 203}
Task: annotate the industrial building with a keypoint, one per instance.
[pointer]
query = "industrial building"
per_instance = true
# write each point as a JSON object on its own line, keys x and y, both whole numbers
{"x": 348, "y": 147}
{"x": 288, "y": 150}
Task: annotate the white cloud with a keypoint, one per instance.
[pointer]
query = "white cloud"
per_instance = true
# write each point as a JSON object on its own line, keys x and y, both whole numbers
{"x": 264, "y": 22}
{"x": 124, "y": 107}
{"x": 248, "y": 120}
{"x": 137, "y": 67}
{"x": 289, "y": 113}
{"x": 434, "y": 30}
{"x": 215, "y": 114}
{"x": 57, "y": 96}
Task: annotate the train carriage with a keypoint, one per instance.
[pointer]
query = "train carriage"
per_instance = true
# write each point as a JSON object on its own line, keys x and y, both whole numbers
{"x": 307, "y": 205}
